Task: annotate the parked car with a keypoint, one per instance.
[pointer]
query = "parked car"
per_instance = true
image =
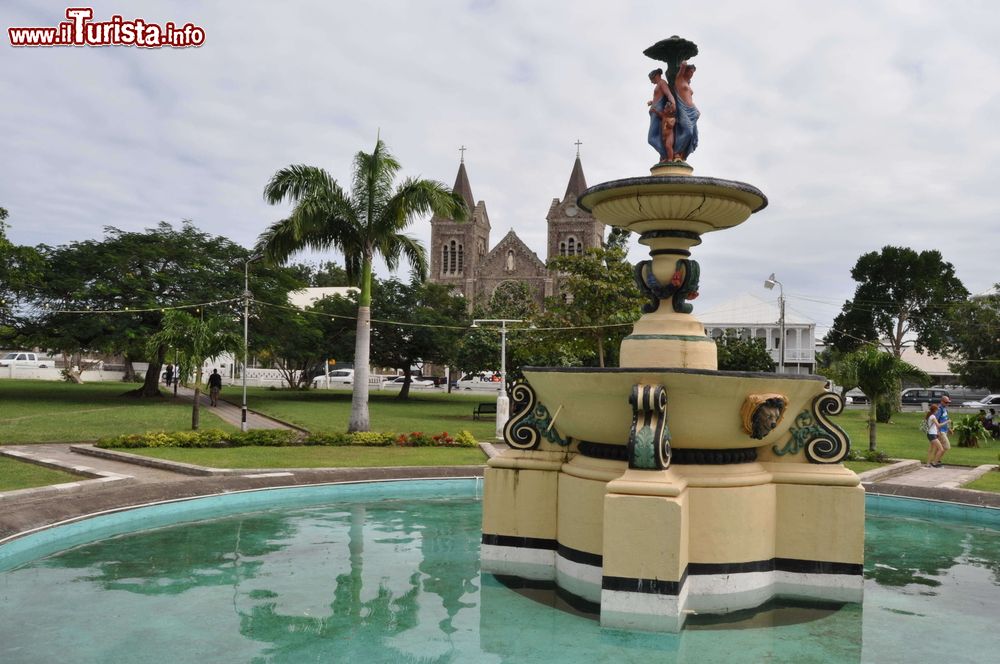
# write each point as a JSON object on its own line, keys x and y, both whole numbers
{"x": 480, "y": 380}
{"x": 338, "y": 378}
{"x": 920, "y": 395}
{"x": 25, "y": 359}
{"x": 855, "y": 396}
{"x": 989, "y": 401}
{"x": 415, "y": 381}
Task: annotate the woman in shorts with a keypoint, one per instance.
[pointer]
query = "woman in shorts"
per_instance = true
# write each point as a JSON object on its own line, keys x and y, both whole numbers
{"x": 936, "y": 450}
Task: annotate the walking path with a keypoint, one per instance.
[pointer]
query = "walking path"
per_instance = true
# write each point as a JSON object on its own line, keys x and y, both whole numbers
{"x": 233, "y": 414}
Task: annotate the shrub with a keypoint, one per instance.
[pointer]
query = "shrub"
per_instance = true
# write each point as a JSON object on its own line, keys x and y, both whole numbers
{"x": 206, "y": 438}
{"x": 465, "y": 439}
{"x": 264, "y": 438}
{"x": 970, "y": 429}
{"x": 874, "y": 456}
{"x": 332, "y": 439}
{"x": 372, "y": 438}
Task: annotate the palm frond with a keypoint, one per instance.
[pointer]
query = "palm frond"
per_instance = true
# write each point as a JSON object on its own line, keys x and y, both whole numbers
{"x": 296, "y": 182}
{"x": 398, "y": 246}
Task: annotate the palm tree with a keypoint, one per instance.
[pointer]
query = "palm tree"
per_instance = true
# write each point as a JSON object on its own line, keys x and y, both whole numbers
{"x": 879, "y": 375}
{"x": 364, "y": 224}
{"x": 196, "y": 340}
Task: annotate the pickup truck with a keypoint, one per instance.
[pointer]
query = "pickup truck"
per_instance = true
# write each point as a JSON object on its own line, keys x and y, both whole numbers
{"x": 24, "y": 359}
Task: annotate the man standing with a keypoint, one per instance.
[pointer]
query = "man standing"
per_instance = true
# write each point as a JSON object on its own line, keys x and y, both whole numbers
{"x": 214, "y": 386}
{"x": 944, "y": 422}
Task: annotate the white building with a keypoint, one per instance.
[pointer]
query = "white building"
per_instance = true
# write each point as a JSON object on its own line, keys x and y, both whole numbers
{"x": 307, "y": 297}
{"x": 754, "y": 318}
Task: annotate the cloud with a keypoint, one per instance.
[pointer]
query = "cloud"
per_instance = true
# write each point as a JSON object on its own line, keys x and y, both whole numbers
{"x": 865, "y": 124}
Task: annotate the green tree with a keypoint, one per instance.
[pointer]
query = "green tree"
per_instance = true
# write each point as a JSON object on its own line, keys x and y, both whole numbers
{"x": 196, "y": 340}
{"x": 841, "y": 368}
{"x": 137, "y": 275}
{"x": 20, "y": 269}
{"x": 975, "y": 326}
{"x": 429, "y": 314}
{"x": 879, "y": 374}
{"x": 363, "y": 225}
{"x": 901, "y": 294}
{"x": 598, "y": 291}
{"x": 739, "y": 354}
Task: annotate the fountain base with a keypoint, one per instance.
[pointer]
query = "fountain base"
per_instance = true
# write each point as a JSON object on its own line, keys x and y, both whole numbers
{"x": 626, "y": 539}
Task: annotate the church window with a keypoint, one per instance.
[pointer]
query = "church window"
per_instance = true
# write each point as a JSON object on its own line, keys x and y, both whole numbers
{"x": 562, "y": 248}
{"x": 461, "y": 258}
{"x": 444, "y": 259}
{"x": 571, "y": 247}
{"x": 453, "y": 258}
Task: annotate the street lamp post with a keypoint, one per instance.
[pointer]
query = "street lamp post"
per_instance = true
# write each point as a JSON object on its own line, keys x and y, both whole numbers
{"x": 769, "y": 285}
{"x": 246, "y": 327}
{"x": 503, "y": 403}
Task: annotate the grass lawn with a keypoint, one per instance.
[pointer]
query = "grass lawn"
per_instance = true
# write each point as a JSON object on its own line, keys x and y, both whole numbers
{"x": 38, "y": 411}
{"x": 329, "y": 410}
{"x": 988, "y": 482}
{"x": 16, "y": 475}
{"x": 318, "y": 456}
{"x": 861, "y": 466}
{"x": 903, "y": 439}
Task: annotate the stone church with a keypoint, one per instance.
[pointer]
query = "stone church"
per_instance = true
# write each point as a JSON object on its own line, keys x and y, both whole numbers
{"x": 461, "y": 255}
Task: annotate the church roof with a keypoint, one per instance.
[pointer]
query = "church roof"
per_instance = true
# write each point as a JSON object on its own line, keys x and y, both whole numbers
{"x": 577, "y": 182}
{"x": 463, "y": 188}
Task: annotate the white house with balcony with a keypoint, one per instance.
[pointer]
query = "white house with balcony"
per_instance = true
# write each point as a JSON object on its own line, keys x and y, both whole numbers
{"x": 754, "y": 318}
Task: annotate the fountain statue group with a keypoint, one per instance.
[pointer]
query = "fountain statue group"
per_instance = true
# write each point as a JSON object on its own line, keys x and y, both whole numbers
{"x": 664, "y": 487}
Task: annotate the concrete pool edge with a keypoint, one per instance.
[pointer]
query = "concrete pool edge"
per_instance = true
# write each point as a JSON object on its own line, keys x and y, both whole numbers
{"x": 29, "y": 513}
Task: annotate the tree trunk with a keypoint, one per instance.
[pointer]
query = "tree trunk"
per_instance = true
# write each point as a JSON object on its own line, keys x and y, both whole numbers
{"x": 404, "y": 391}
{"x": 151, "y": 384}
{"x": 129, "y": 371}
{"x": 871, "y": 424}
{"x": 362, "y": 352}
{"x": 600, "y": 349}
{"x": 196, "y": 409}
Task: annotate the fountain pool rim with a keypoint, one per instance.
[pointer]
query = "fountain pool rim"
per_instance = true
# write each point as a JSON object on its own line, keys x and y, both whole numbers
{"x": 26, "y": 547}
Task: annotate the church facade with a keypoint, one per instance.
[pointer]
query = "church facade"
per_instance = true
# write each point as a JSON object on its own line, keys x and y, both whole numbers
{"x": 462, "y": 257}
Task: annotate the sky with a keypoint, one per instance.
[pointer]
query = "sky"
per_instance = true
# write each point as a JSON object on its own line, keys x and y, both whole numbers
{"x": 864, "y": 123}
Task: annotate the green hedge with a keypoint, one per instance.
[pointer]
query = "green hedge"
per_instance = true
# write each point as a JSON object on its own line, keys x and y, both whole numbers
{"x": 283, "y": 438}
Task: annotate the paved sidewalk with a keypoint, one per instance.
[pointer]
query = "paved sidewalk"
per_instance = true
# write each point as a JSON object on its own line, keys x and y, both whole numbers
{"x": 233, "y": 414}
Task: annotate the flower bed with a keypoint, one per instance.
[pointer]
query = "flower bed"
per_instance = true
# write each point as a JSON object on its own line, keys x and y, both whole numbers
{"x": 284, "y": 438}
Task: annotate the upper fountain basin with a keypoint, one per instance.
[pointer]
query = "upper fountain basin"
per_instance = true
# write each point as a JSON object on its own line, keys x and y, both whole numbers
{"x": 675, "y": 202}
{"x": 703, "y": 406}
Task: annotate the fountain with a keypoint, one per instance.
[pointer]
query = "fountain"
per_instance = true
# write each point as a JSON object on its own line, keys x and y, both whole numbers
{"x": 666, "y": 487}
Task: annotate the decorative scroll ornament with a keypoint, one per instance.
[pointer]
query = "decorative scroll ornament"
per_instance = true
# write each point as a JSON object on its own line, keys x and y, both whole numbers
{"x": 762, "y": 413}
{"x": 683, "y": 285}
{"x": 530, "y": 421}
{"x": 649, "y": 439}
{"x": 812, "y": 431}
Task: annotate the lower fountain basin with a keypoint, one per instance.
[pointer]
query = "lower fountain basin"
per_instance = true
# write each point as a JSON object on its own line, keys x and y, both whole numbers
{"x": 703, "y": 406}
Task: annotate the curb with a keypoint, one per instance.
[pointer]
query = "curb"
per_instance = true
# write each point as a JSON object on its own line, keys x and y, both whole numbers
{"x": 898, "y": 468}
{"x": 149, "y": 462}
{"x": 204, "y": 471}
{"x": 95, "y": 478}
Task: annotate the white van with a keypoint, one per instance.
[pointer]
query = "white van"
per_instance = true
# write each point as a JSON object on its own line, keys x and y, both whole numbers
{"x": 24, "y": 359}
{"x": 480, "y": 381}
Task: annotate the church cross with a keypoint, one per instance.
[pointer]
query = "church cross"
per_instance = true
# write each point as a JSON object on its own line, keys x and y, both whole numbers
{"x": 462, "y": 150}
{"x": 578, "y": 144}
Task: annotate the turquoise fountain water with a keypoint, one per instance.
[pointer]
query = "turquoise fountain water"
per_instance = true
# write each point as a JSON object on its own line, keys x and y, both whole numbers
{"x": 389, "y": 572}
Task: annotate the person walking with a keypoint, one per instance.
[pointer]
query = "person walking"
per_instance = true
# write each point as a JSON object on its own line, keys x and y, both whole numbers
{"x": 168, "y": 375}
{"x": 934, "y": 450}
{"x": 214, "y": 387}
{"x": 944, "y": 428}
